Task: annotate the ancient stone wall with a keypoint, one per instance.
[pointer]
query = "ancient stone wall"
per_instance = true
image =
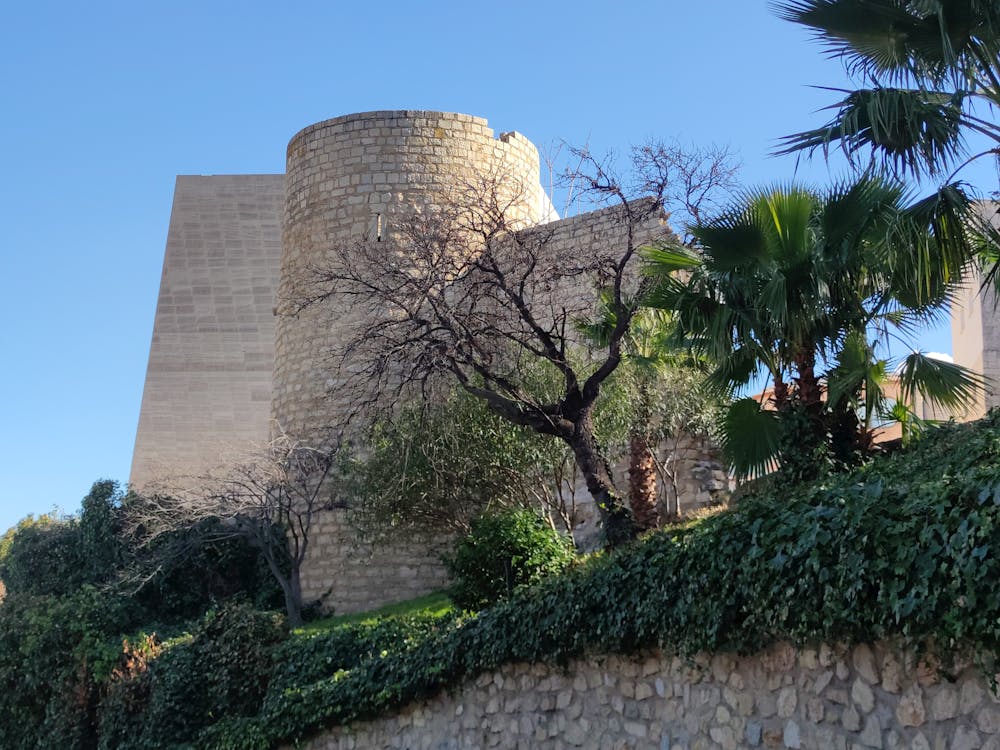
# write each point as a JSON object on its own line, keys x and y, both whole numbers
{"x": 208, "y": 383}
{"x": 352, "y": 178}
{"x": 348, "y": 574}
{"x": 819, "y": 699}
{"x": 347, "y": 179}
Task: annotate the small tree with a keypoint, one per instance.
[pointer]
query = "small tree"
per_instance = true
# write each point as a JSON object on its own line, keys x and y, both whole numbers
{"x": 270, "y": 500}
{"x": 440, "y": 465}
{"x": 461, "y": 291}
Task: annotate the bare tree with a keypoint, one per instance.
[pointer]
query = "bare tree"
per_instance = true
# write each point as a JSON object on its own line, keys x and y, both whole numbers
{"x": 698, "y": 179}
{"x": 271, "y": 500}
{"x": 461, "y": 291}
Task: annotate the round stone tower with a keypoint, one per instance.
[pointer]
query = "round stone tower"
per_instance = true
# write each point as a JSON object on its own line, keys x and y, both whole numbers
{"x": 352, "y": 177}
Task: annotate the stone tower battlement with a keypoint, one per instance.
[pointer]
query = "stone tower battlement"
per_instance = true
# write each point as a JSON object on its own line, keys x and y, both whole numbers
{"x": 355, "y": 177}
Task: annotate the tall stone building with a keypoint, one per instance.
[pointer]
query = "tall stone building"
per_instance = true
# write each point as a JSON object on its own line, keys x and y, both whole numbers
{"x": 208, "y": 382}
{"x": 233, "y": 359}
{"x": 975, "y": 331}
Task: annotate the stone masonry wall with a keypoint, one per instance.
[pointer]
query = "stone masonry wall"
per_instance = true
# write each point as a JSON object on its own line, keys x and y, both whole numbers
{"x": 342, "y": 173}
{"x": 348, "y": 177}
{"x": 208, "y": 383}
{"x": 817, "y": 698}
{"x": 352, "y": 575}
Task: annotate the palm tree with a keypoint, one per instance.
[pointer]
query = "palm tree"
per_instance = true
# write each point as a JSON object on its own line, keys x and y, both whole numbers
{"x": 645, "y": 355}
{"x": 931, "y": 71}
{"x": 788, "y": 282}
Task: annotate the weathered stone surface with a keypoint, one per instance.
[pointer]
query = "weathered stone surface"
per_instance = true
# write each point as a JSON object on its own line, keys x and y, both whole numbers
{"x": 910, "y": 711}
{"x": 966, "y": 738}
{"x": 988, "y": 720}
{"x": 787, "y": 701}
{"x": 851, "y": 719}
{"x": 864, "y": 664}
{"x": 595, "y": 705}
{"x": 862, "y": 696}
{"x": 871, "y": 734}
{"x": 944, "y": 704}
{"x": 970, "y": 696}
{"x": 792, "y": 735}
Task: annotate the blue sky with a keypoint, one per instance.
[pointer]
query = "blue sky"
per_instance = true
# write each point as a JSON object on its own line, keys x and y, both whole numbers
{"x": 105, "y": 102}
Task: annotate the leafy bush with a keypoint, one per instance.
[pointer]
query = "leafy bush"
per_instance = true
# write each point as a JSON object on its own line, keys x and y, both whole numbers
{"x": 221, "y": 669}
{"x": 503, "y": 552}
{"x": 309, "y": 657}
{"x": 908, "y": 547}
{"x": 188, "y": 572}
{"x": 43, "y": 557}
{"x": 440, "y": 466}
{"x": 54, "y": 654}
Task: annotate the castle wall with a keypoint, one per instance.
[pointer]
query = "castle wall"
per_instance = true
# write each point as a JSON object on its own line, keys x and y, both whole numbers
{"x": 208, "y": 383}
{"x": 824, "y": 698}
{"x": 352, "y": 574}
{"x": 343, "y": 174}
{"x": 348, "y": 179}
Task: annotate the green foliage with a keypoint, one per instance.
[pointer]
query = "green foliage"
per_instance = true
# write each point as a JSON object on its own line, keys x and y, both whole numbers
{"x": 503, "y": 552}
{"x": 928, "y": 77}
{"x": 804, "y": 288}
{"x": 440, "y": 466}
{"x": 101, "y": 549}
{"x": 221, "y": 670}
{"x": 55, "y": 651}
{"x": 187, "y": 571}
{"x": 908, "y": 547}
{"x": 43, "y": 557}
{"x": 432, "y": 605}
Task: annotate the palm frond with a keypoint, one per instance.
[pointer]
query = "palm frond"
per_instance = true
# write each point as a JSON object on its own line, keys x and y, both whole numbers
{"x": 664, "y": 260}
{"x": 851, "y": 368}
{"x": 940, "y": 229}
{"x": 939, "y": 382}
{"x": 898, "y": 41}
{"x": 907, "y": 130}
{"x": 750, "y": 437}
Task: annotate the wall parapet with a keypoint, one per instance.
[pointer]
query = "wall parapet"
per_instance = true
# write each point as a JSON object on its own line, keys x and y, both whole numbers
{"x": 824, "y": 697}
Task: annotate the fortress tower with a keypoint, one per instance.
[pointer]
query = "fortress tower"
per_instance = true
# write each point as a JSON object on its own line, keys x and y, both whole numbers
{"x": 235, "y": 357}
{"x": 350, "y": 179}
{"x": 356, "y": 177}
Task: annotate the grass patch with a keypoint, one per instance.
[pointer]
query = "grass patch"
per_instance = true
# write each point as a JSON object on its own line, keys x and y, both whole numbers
{"x": 436, "y": 604}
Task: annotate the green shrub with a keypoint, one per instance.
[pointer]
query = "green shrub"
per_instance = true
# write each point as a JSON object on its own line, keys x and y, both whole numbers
{"x": 503, "y": 552}
{"x": 190, "y": 572}
{"x": 43, "y": 557}
{"x": 221, "y": 669}
{"x": 907, "y": 548}
{"x": 55, "y": 652}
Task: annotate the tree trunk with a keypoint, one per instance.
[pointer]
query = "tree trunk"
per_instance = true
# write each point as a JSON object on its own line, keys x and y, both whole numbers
{"x": 293, "y": 599}
{"x": 810, "y": 393}
{"x": 642, "y": 483}
{"x": 615, "y": 516}
{"x": 291, "y": 588}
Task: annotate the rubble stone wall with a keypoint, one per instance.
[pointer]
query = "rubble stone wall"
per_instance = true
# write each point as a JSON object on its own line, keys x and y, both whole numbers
{"x": 824, "y": 698}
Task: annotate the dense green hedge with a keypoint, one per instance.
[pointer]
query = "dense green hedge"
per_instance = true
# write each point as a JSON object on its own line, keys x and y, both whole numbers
{"x": 908, "y": 547}
{"x": 504, "y": 552}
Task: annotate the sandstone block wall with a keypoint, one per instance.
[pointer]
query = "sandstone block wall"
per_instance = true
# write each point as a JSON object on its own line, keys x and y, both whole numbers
{"x": 208, "y": 383}
{"x": 352, "y": 575}
{"x": 975, "y": 331}
{"x": 349, "y": 178}
{"x": 824, "y": 698}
